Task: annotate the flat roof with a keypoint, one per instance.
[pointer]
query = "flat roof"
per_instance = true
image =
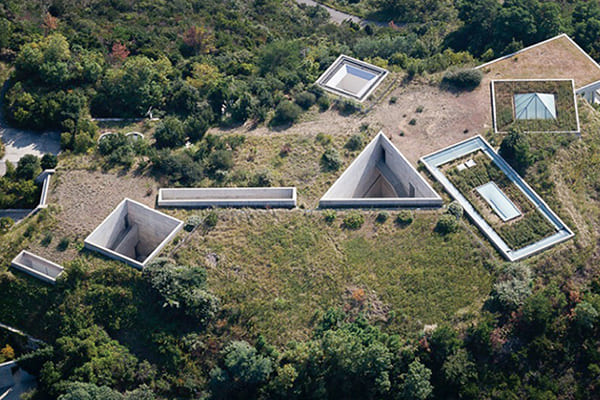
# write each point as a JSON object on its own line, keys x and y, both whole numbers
{"x": 434, "y": 161}
{"x": 351, "y": 78}
{"x": 557, "y": 57}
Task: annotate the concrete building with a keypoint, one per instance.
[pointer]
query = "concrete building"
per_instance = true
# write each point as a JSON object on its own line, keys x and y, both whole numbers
{"x": 351, "y": 78}
{"x": 260, "y": 197}
{"x": 380, "y": 177}
{"x": 133, "y": 233}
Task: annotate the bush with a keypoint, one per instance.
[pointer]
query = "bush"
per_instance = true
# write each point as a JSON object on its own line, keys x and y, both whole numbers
{"x": 211, "y": 219}
{"x": 513, "y": 287}
{"x": 219, "y": 160}
{"x": 331, "y": 160}
{"x": 516, "y": 151}
{"x": 63, "y": 244}
{"x": 446, "y": 224}
{"x": 355, "y": 142}
{"x": 323, "y": 103}
{"x": 2, "y": 149}
{"x": 262, "y": 179}
{"x": 329, "y": 216}
{"x": 455, "y": 209}
{"x": 393, "y": 100}
{"x": 5, "y": 224}
{"x": 192, "y": 222}
{"x": 170, "y": 133}
{"x": 464, "y": 79}
{"x": 347, "y": 106}
{"x": 404, "y": 218}
{"x": 286, "y": 113}
{"x": 195, "y": 127}
{"x": 48, "y": 161}
{"x": 305, "y": 99}
{"x": 382, "y": 217}
{"x": 412, "y": 122}
{"x": 323, "y": 139}
{"x": 354, "y": 221}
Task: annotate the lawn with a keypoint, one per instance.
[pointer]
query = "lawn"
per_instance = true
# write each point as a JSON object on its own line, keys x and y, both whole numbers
{"x": 528, "y": 228}
{"x": 566, "y": 115}
{"x": 277, "y": 271}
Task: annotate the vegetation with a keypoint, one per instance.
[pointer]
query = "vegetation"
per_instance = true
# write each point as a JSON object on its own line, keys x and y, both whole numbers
{"x": 463, "y": 79}
{"x": 291, "y": 304}
{"x": 566, "y": 118}
{"x": 17, "y": 187}
{"x": 528, "y": 228}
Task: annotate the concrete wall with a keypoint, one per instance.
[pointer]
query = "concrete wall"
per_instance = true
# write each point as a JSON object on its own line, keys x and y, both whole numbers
{"x": 275, "y": 197}
{"x": 133, "y": 233}
{"x": 37, "y": 266}
{"x": 380, "y": 170}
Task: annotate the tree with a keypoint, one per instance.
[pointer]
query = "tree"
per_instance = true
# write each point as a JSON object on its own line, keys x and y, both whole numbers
{"x": 446, "y": 224}
{"x": 119, "y": 52}
{"x": 286, "y": 113}
{"x": 28, "y": 167}
{"x": 515, "y": 150}
{"x": 240, "y": 373}
{"x": 170, "y": 133}
{"x": 48, "y": 161}
{"x": 416, "y": 382}
{"x": 199, "y": 39}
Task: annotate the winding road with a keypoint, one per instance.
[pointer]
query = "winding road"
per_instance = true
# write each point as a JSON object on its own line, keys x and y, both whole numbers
{"x": 339, "y": 16}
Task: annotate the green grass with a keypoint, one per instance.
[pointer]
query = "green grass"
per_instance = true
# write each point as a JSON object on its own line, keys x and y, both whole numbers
{"x": 278, "y": 271}
{"x": 530, "y": 227}
{"x": 504, "y": 92}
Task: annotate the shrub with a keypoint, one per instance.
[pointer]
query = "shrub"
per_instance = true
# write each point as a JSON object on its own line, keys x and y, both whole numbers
{"x": 305, "y": 99}
{"x": 464, "y": 79}
{"x": 446, "y": 224}
{"x": 192, "y": 222}
{"x": 404, "y": 218}
{"x": 262, "y": 179}
{"x": 63, "y": 244}
{"x": 516, "y": 151}
{"x": 393, "y": 100}
{"x": 48, "y": 161}
{"x": 170, "y": 133}
{"x": 412, "y": 122}
{"x": 219, "y": 160}
{"x": 323, "y": 139}
{"x": 347, "y": 106}
{"x": 354, "y": 221}
{"x": 355, "y": 142}
{"x": 211, "y": 219}
{"x": 323, "y": 103}
{"x": 195, "y": 127}
{"x": 513, "y": 286}
{"x": 2, "y": 149}
{"x": 28, "y": 167}
{"x": 382, "y": 217}
{"x": 331, "y": 160}
{"x": 419, "y": 109}
{"x": 455, "y": 209}
{"x": 47, "y": 239}
{"x": 5, "y": 224}
{"x": 329, "y": 216}
{"x": 286, "y": 113}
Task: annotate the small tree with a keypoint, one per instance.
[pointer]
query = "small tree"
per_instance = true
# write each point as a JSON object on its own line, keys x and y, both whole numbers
{"x": 455, "y": 209}
{"x": 355, "y": 142}
{"x": 516, "y": 151}
{"x": 170, "y": 133}
{"x": 286, "y": 113}
{"x": 416, "y": 383}
{"x": 446, "y": 224}
{"x": 331, "y": 160}
{"x": 305, "y": 99}
{"x": 49, "y": 161}
{"x": 28, "y": 167}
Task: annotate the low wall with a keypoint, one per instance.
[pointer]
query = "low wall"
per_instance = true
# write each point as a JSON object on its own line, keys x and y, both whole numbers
{"x": 274, "y": 197}
{"x": 37, "y": 266}
{"x": 383, "y": 202}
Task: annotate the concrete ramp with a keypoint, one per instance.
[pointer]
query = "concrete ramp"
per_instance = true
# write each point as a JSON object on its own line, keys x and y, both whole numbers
{"x": 133, "y": 233}
{"x": 380, "y": 177}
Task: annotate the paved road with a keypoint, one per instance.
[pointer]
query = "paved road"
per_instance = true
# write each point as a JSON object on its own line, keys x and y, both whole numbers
{"x": 339, "y": 16}
{"x": 20, "y": 142}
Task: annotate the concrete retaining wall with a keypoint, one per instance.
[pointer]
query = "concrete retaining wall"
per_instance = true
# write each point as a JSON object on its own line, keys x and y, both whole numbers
{"x": 133, "y": 233}
{"x": 37, "y": 266}
{"x": 272, "y": 197}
